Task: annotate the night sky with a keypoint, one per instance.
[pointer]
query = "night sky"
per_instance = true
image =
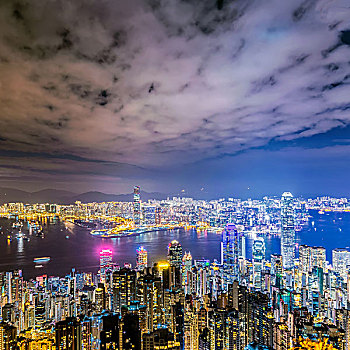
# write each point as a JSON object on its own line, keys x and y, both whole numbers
{"x": 216, "y": 98}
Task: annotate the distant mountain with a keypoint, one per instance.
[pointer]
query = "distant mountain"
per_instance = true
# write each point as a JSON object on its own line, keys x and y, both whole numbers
{"x": 8, "y": 195}
{"x": 13, "y": 195}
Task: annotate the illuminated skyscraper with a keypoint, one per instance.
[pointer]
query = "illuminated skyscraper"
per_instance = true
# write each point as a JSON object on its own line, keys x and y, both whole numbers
{"x": 258, "y": 261}
{"x": 304, "y": 258}
{"x": 158, "y": 216}
{"x": 68, "y": 334}
{"x": 105, "y": 263}
{"x": 149, "y": 214}
{"x": 341, "y": 261}
{"x": 175, "y": 254}
{"x": 231, "y": 252}
{"x": 287, "y": 231}
{"x": 310, "y": 257}
{"x": 7, "y": 336}
{"x": 123, "y": 288}
{"x": 186, "y": 272}
{"x": 141, "y": 258}
{"x": 137, "y": 206}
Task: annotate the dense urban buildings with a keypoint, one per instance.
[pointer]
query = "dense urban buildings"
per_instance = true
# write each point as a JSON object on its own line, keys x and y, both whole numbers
{"x": 234, "y": 302}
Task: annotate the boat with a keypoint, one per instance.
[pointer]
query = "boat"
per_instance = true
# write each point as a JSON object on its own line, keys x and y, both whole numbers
{"x": 35, "y": 226}
{"x": 43, "y": 259}
{"x": 321, "y": 211}
{"x": 67, "y": 237}
{"x": 17, "y": 224}
{"x": 38, "y": 266}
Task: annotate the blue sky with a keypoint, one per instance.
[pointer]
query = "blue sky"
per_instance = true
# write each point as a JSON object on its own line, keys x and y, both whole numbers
{"x": 244, "y": 100}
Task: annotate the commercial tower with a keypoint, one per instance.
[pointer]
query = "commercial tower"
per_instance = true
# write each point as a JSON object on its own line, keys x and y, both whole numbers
{"x": 287, "y": 231}
{"x": 141, "y": 258}
{"x": 175, "y": 254}
{"x": 232, "y": 250}
{"x": 341, "y": 261}
{"x": 311, "y": 257}
{"x": 105, "y": 262}
{"x": 137, "y": 206}
{"x": 258, "y": 261}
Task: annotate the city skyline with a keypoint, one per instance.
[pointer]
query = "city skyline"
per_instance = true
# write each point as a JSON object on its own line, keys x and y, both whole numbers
{"x": 266, "y": 278}
{"x": 223, "y": 93}
{"x": 174, "y": 174}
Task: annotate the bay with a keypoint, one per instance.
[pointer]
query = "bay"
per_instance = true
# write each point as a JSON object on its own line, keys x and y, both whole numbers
{"x": 81, "y": 250}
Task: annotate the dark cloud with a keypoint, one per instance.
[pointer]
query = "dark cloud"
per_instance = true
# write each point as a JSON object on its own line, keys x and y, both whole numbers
{"x": 345, "y": 37}
{"x": 227, "y": 76}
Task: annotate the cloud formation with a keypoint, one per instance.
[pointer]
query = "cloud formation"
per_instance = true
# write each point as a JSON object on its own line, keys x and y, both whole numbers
{"x": 160, "y": 83}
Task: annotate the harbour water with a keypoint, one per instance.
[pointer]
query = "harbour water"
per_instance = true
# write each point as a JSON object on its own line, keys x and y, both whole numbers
{"x": 75, "y": 247}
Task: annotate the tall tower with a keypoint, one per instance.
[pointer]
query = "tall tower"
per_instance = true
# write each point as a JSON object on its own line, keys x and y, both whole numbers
{"x": 287, "y": 231}
{"x": 231, "y": 252}
{"x": 258, "y": 261}
{"x": 105, "y": 263}
{"x": 137, "y": 206}
{"x": 186, "y": 272}
{"x": 141, "y": 258}
{"x": 175, "y": 254}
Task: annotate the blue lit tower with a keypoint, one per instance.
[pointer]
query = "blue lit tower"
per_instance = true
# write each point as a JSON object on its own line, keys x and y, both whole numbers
{"x": 137, "y": 206}
{"x": 258, "y": 261}
{"x": 231, "y": 252}
{"x": 287, "y": 231}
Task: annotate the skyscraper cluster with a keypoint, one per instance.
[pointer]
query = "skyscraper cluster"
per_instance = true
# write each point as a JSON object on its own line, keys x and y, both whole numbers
{"x": 233, "y": 303}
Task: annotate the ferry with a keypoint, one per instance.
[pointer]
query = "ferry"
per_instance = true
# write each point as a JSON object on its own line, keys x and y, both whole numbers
{"x": 35, "y": 226}
{"x": 17, "y": 224}
{"x": 43, "y": 259}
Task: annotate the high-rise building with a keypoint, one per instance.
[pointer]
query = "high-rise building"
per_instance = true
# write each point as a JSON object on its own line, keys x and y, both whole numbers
{"x": 258, "y": 261}
{"x": 158, "y": 215}
{"x": 186, "y": 272}
{"x": 123, "y": 288}
{"x": 7, "y": 336}
{"x": 257, "y": 316}
{"x": 175, "y": 254}
{"x": 131, "y": 332}
{"x": 141, "y": 258}
{"x": 287, "y": 231}
{"x": 68, "y": 334}
{"x": 110, "y": 332}
{"x": 304, "y": 258}
{"x": 100, "y": 299}
{"x": 137, "y": 206}
{"x": 318, "y": 257}
{"x": 105, "y": 263}
{"x": 231, "y": 253}
{"x": 341, "y": 261}
{"x": 149, "y": 214}
{"x": 310, "y": 257}
{"x": 276, "y": 269}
